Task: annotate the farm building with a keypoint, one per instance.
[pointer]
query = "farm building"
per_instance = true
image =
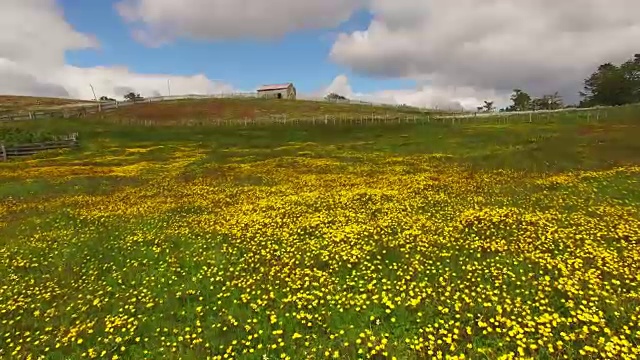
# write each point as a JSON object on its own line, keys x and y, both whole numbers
{"x": 278, "y": 91}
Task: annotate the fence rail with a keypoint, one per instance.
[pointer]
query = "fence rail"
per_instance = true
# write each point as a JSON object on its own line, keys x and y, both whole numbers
{"x": 20, "y": 150}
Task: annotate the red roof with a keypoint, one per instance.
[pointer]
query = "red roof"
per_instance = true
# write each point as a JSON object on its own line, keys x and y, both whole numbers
{"x": 274, "y": 87}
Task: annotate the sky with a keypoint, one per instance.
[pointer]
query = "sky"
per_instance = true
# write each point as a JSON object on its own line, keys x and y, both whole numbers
{"x": 429, "y": 53}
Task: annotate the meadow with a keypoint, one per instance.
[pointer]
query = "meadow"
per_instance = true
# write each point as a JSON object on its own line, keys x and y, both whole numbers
{"x": 379, "y": 241}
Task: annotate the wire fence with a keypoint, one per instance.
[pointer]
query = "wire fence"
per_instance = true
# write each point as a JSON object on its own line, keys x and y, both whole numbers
{"x": 373, "y": 119}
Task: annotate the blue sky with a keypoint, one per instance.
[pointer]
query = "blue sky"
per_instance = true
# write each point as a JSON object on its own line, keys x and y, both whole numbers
{"x": 300, "y": 57}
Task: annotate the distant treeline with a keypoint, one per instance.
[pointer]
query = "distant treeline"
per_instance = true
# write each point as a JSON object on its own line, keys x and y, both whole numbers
{"x": 609, "y": 85}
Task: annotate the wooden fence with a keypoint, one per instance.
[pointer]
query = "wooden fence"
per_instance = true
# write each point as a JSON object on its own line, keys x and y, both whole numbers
{"x": 65, "y": 142}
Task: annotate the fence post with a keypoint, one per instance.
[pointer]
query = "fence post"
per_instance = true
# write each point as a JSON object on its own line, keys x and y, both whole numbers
{"x": 4, "y": 152}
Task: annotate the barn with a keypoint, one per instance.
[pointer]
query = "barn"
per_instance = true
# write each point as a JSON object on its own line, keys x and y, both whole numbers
{"x": 278, "y": 91}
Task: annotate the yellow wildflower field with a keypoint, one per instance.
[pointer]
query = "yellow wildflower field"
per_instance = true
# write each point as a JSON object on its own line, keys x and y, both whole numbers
{"x": 365, "y": 256}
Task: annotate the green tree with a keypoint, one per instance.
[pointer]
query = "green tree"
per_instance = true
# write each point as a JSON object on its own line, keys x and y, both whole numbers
{"x": 613, "y": 85}
{"x": 133, "y": 97}
{"x": 521, "y": 101}
{"x": 631, "y": 70}
{"x": 547, "y": 102}
{"x": 488, "y": 106}
{"x": 553, "y": 101}
{"x": 334, "y": 97}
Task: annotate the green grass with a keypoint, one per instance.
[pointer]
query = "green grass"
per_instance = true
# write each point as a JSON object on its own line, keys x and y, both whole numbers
{"x": 201, "y": 241}
{"x": 15, "y": 135}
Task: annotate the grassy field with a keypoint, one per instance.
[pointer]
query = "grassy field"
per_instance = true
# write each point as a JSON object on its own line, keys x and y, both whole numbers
{"x": 176, "y": 112}
{"x": 18, "y": 104}
{"x": 477, "y": 241}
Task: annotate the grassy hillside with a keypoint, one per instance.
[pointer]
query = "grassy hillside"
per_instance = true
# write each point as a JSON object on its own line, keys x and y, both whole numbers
{"x": 17, "y": 104}
{"x": 296, "y": 241}
{"x": 249, "y": 108}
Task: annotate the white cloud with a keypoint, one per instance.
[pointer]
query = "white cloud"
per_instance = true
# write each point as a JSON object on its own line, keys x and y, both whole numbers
{"x": 472, "y": 46}
{"x": 34, "y": 37}
{"x": 458, "y": 51}
{"x": 539, "y": 45}
{"x": 15, "y": 80}
{"x": 339, "y": 85}
{"x": 33, "y": 33}
{"x": 158, "y": 21}
{"x": 432, "y": 97}
{"x": 117, "y": 81}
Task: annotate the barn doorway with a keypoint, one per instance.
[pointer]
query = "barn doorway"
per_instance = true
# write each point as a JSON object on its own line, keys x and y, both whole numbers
{"x": 279, "y": 95}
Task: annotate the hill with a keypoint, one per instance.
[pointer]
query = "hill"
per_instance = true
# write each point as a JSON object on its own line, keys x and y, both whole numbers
{"x": 19, "y": 104}
{"x": 178, "y": 111}
{"x": 252, "y": 109}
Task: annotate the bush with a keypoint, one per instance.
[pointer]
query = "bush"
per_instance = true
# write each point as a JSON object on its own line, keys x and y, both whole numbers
{"x": 13, "y": 136}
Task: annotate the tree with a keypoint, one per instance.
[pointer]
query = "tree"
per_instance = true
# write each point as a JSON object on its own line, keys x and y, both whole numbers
{"x": 551, "y": 102}
{"x": 106, "y": 98}
{"x": 521, "y": 101}
{"x": 631, "y": 70}
{"x": 133, "y": 96}
{"x": 547, "y": 102}
{"x": 488, "y": 106}
{"x": 613, "y": 85}
{"x": 334, "y": 97}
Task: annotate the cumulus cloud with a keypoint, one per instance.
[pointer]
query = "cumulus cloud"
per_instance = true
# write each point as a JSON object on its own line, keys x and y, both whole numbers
{"x": 460, "y": 52}
{"x": 425, "y": 96}
{"x": 34, "y": 37}
{"x": 158, "y": 21}
{"x": 116, "y": 81}
{"x": 33, "y": 33}
{"x": 15, "y": 81}
{"x": 471, "y": 46}
{"x": 539, "y": 45}
{"x": 339, "y": 85}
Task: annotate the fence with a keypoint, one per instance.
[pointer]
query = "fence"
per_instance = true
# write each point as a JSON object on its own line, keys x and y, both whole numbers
{"x": 64, "y": 142}
{"x": 373, "y": 119}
